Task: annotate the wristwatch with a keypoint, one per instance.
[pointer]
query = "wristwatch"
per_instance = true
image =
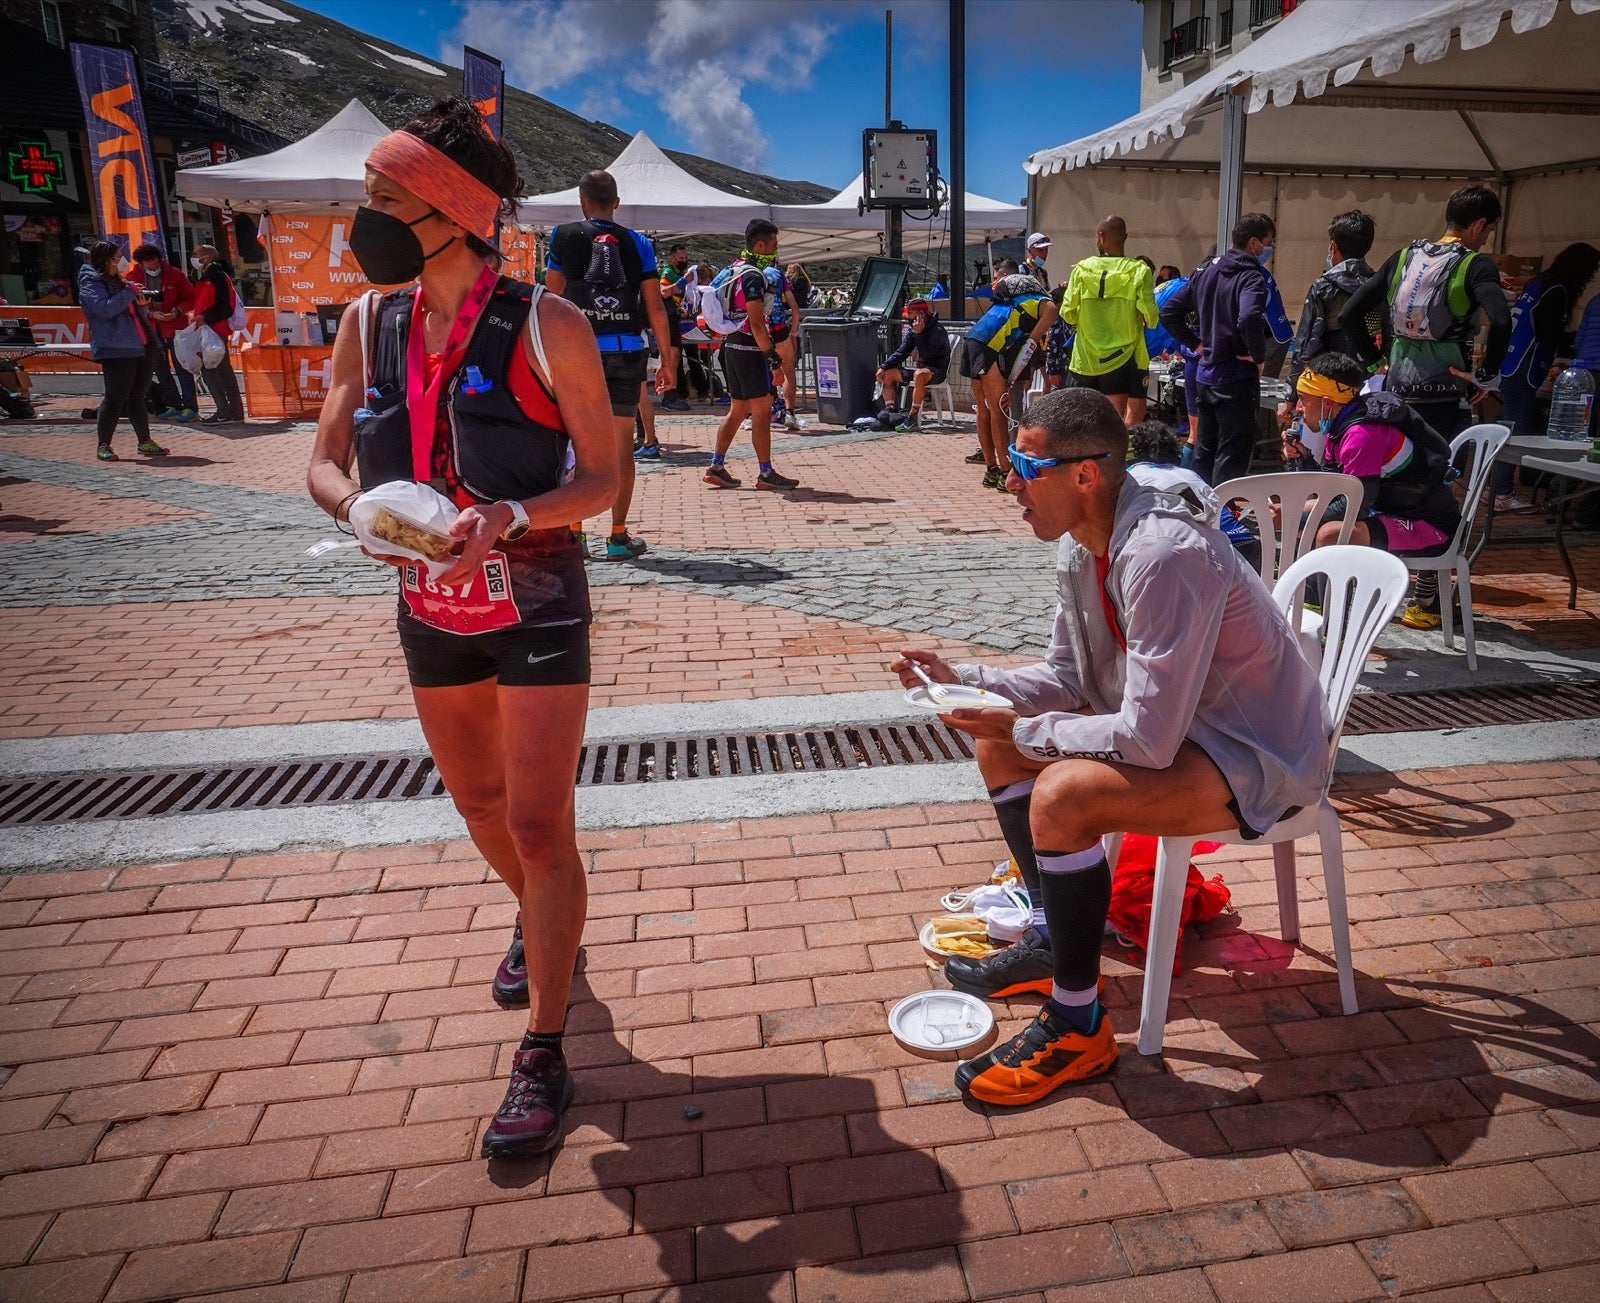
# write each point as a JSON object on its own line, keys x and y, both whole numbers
{"x": 519, "y": 521}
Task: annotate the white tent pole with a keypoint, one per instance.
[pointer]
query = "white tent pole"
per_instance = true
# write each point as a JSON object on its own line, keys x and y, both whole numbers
{"x": 183, "y": 241}
{"x": 1230, "y": 181}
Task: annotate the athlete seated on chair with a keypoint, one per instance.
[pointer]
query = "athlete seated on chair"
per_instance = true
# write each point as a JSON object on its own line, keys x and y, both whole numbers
{"x": 1403, "y": 464}
{"x": 1173, "y": 700}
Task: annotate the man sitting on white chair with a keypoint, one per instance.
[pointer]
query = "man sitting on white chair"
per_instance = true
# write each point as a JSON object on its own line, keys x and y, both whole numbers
{"x": 1403, "y": 464}
{"x": 1173, "y": 700}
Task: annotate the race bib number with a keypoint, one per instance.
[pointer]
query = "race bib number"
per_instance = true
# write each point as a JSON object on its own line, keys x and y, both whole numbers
{"x": 481, "y": 605}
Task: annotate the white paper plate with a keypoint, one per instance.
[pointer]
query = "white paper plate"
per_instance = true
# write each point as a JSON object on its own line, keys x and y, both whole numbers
{"x": 957, "y": 696}
{"x": 940, "y": 1024}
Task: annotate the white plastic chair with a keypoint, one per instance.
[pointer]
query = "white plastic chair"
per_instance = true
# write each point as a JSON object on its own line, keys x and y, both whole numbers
{"x": 943, "y": 399}
{"x": 1363, "y": 588}
{"x": 1303, "y": 499}
{"x": 1456, "y": 561}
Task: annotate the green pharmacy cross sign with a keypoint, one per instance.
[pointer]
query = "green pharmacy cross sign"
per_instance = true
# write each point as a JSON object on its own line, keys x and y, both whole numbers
{"x": 35, "y": 167}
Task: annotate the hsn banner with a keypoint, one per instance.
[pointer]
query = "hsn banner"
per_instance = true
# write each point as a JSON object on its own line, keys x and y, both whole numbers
{"x": 484, "y": 81}
{"x": 311, "y": 261}
{"x": 126, "y": 205}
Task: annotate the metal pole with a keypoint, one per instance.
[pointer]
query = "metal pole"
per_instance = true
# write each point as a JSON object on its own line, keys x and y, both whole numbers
{"x": 958, "y": 156}
{"x": 1230, "y": 181}
{"x": 888, "y": 65}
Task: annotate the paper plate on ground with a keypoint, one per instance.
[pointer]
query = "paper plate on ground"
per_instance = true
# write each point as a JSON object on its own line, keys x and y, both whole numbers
{"x": 929, "y": 932}
{"x": 957, "y": 696}
{"x": 940, "y": 1024}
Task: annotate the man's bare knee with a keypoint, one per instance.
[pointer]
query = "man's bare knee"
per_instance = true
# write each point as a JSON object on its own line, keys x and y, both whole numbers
{"x": 1001, "y": 763}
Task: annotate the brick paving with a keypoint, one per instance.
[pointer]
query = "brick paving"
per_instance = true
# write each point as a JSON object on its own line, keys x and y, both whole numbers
{"x": 264, "y": 1078}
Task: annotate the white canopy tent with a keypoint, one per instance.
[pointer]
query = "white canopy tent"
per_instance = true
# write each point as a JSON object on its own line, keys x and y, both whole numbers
{"x": 321, "y": 171}
{"x": 1353, "y": 103}
{"x": 657, "y": 195}
{"x": 835, "y": 229}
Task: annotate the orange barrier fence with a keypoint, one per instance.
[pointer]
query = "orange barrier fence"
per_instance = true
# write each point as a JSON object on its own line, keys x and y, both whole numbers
{"x": 286, "y": 381}
{"x": 65, "y": 325}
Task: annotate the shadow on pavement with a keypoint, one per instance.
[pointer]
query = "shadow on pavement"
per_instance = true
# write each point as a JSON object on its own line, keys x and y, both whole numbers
{"x": 732, "y": 573}
{"x": 780, "y": 1169}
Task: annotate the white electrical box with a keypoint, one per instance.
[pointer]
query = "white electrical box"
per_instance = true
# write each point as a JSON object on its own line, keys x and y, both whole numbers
{"x": 900, "y": 168}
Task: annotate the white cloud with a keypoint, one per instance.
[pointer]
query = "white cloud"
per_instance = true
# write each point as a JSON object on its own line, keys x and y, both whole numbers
{"x": 695, "y": 57}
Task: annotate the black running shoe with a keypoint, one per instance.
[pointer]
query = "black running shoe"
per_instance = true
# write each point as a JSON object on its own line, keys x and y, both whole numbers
{"x": 775, "y": 482}
{"x": 975, "y": 459}
{"x": 718, "y": 477}
{"x": 529, "y": 1120}
{"x": 1023, "y": 967}
{"x": 511, "y": 979}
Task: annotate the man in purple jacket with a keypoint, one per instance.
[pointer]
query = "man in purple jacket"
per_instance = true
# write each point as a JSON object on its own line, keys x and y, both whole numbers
{"x": 1229, "y": 299}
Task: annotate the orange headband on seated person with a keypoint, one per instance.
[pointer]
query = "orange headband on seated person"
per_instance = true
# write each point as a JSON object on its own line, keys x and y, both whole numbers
{"x": 438, "y": 180}
{"x": 1320, "y": 386}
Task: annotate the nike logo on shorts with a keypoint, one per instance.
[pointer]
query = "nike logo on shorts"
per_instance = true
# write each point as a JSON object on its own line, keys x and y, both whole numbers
{"x": 548, "y": 656}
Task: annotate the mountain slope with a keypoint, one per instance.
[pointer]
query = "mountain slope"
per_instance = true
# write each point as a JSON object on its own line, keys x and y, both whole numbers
{"x": 291, "y": 69}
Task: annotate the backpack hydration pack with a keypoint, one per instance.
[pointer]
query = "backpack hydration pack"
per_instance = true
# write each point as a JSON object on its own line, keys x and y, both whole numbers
{"x": 1428, "y": 292}
{"x": 718, "y": 315}
{"x": 608, "y": 288}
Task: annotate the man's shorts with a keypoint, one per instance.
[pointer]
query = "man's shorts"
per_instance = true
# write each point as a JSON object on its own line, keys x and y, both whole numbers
{"x": 747, "y": 374}
{"x": 908, "y": 372}
{"x": 1397, "y": 534}
{"x": 1127, "y": 380}
{"x": 977, "y": 358}
{"x": 539, "y": 657}
{"x": 625, "y": 372}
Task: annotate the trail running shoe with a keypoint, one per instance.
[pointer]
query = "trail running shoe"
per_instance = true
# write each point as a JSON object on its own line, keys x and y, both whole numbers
{"x": 1047, "y": 1053}
{"x": 511, "y": 978}
{"x": 775, "y": 482}
{"x": 911, "y": 425}
{"x": 719, "y": 478}
{"x": 624, "y": 547}
{"x": 975, "y": 458}
{"x": 529, "y": 1119}
{"x": 647, "y": 452}
{"x": 1416, "y": 617}
{"x": 184, "y": 414}
{"x": 791, "y": 421}
{"x": 104, "y": 453}
{"x": 672, "y": 403}
{"x": 150, "y": 448}
{"x": 1510, "y": 502}
{"x": 1025, "y": 965}
{"x": 992, "y": 479}
{"x": 168, "y": 414}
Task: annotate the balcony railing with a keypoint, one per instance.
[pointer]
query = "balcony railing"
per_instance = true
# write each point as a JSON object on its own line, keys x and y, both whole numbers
{"x": 1263, "y": 12}
{"x": 204, "y": 102}
{"x": 1225, "y": 29}
{"x": 1186, "y": 41}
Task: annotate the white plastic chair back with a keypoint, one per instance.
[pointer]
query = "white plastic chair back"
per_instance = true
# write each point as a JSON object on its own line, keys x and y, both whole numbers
{"x": 1362, "y": 589}
{"x": 1306, "y": 494}
{"x": 1486, "y": 442}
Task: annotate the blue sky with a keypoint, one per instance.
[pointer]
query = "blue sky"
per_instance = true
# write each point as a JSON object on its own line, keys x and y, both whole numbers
{"x": 786, "y": 88}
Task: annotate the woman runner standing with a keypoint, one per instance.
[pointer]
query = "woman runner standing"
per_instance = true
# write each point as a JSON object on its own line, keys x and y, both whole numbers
{"x": 491, "y": 391}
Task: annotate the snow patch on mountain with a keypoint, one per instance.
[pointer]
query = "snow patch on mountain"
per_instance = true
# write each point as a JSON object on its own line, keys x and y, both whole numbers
{"x": 295, "y": 55}
{"x": 418, "y": 64}
{"x": 209, "y": 12}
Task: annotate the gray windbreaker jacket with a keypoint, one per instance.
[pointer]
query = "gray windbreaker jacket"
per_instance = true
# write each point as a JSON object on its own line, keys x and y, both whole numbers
{"x": 1209, "y": 658}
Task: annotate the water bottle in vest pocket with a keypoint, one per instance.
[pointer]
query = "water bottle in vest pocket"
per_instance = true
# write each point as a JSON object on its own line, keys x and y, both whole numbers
{"x": 718, "y": 316}
{"x": 1428, "y": 294}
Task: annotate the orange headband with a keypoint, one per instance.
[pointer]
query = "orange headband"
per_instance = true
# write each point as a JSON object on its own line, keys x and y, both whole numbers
{"x": 437, "y": 180}
{"x": 1320, "y": 386}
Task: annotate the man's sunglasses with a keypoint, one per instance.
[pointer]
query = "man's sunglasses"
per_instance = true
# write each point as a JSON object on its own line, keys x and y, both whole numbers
{"x": 1029, "y": 468}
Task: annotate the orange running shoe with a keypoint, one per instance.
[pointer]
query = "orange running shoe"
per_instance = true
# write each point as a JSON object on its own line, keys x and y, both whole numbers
{"x": 1046, "y": 1054}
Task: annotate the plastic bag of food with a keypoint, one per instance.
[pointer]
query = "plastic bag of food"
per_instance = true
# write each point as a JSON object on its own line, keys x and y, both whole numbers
{"x": 406, "y": 519}
{"x": 196, "y": 347}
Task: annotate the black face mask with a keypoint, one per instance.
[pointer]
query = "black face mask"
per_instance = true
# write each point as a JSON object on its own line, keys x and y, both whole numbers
{"x": 387, "y": 249}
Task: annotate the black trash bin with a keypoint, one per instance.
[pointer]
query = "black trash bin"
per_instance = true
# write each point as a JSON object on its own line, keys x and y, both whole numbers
{"x": 844, "y": 350}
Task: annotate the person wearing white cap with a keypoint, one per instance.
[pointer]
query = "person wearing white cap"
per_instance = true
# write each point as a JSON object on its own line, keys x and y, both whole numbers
{"x": 1038, "y": 253}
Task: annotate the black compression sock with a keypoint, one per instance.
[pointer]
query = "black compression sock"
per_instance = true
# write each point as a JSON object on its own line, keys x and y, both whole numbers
{"x": 541, "y": 1041}
{"x": 1076, "y": 900}
{"x": 1012, "y": 809}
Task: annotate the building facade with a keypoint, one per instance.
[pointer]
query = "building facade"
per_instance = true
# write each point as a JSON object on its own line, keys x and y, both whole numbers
{"x": 1182, "y": 37}
{"x": 46, "y": 207}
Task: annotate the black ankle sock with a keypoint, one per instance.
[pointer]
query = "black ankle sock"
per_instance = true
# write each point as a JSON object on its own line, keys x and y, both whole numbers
{"x": 1076, "y": 904}
{"x": 1013, "y": 816}
{"x": 541, "y": 1041}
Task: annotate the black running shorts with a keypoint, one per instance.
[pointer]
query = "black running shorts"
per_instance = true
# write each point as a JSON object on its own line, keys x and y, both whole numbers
{"x": 1127, "y": 379}
{"x": 542, "y": 657}
{"x": 976, "y": 358}
{"x": 625, "y": 372}
{"x": 746, "y": 372}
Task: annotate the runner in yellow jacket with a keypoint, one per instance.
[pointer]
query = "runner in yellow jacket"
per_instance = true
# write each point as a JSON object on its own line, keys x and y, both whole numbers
{"x": 1109, "y": 301}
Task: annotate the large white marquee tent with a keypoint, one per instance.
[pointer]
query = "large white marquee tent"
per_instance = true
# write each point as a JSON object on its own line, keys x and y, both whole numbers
{"x": 1376, "y": 104}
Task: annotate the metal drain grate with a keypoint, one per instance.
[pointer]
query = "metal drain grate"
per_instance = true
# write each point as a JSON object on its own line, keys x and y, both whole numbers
{"x": 1504, "y": 703}
{"x": 144, "y": 794}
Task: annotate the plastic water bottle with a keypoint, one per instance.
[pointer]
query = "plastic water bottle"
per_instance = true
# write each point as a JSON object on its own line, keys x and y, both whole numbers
{"x": 1571, "y": 404}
